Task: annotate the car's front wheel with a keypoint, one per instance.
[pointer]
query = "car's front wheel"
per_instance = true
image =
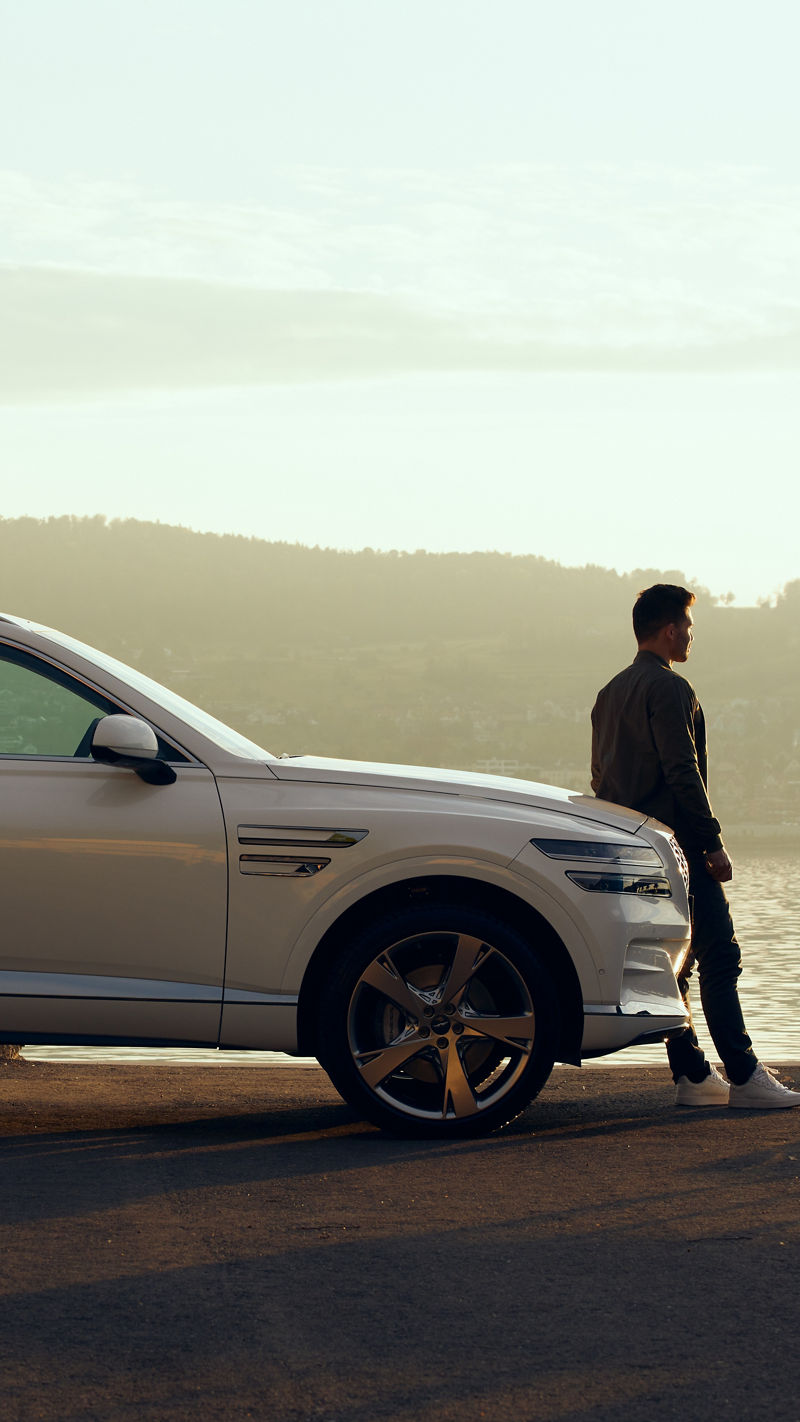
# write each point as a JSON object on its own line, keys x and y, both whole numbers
{"x": 439, "y": 1021}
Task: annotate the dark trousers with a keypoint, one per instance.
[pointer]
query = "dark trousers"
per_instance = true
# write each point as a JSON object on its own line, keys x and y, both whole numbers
{"x": 716, "y": 955}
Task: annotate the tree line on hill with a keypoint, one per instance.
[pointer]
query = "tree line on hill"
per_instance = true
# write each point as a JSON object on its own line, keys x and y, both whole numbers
{"x": 437, "y": 658}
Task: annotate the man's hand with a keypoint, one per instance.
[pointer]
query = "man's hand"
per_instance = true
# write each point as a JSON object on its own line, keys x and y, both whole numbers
{"x": 719, "y": 866}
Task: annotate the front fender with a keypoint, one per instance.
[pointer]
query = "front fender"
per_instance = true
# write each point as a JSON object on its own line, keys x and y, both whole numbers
{"x": 474, "y": 872}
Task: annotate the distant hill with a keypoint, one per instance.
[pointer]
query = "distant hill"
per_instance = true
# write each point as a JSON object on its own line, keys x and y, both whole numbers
{"x": 155, "y": 584}
{"x": 454, "y": 658}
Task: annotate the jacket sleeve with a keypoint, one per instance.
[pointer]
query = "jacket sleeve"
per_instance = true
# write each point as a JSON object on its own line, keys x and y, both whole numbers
{"x": 671, "y": 710}
{"x": 595, "y": 770}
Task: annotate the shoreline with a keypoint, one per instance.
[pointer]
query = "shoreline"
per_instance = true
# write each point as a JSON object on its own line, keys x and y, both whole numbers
{"x": 217, "y": 1058}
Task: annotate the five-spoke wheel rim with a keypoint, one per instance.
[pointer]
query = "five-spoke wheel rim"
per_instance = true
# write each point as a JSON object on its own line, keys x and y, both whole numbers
{"x": 441, "y": 1025}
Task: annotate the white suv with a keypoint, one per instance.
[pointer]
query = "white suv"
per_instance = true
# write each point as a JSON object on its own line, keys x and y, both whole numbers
{"x": 436, "y": 939}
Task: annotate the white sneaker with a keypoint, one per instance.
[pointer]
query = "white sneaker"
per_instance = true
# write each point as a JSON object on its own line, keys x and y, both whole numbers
{"x": 763, "y": 1092}
{"x": 711, "y": 1091}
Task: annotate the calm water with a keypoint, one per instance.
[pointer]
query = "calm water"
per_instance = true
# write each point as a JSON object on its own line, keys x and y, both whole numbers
{"x": 765, "y": 900}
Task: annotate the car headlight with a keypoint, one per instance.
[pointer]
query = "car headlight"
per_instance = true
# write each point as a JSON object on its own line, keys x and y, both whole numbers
{"x": 602, "y": 883}
{"x": 599, "y": 850}
{"x": 606, "y": 881}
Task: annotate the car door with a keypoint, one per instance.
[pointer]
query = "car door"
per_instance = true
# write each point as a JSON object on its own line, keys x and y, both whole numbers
{"x": 114, "y": 891}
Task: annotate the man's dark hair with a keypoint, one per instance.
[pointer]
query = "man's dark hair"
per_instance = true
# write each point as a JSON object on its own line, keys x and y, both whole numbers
{"x": 657, "y": 606}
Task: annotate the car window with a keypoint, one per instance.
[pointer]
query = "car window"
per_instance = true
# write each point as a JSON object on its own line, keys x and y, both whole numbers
{"x": 43, "y": 711}
{"x": 223, "y": 736}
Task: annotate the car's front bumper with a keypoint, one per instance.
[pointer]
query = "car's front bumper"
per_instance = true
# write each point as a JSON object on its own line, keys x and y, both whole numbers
{"x": 636, "y": 943}
{"x": 649, "y": 1006}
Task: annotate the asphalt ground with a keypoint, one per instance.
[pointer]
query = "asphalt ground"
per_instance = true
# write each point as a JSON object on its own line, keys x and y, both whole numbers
{"x": 223, "y": 1243}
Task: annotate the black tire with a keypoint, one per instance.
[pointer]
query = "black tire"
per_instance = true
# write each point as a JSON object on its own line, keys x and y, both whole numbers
{"x": 409, "y": 1029}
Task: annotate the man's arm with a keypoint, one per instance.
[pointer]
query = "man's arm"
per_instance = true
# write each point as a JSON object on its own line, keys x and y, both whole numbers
{"x": 595, "y": 778}
{"x": 671, "y": 710}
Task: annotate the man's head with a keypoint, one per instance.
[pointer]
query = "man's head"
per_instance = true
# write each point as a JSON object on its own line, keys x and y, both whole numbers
{"x": 662, "y": 621}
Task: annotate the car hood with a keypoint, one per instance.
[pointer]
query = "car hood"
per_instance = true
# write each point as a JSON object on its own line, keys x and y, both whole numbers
{"x": 467, "y": 784}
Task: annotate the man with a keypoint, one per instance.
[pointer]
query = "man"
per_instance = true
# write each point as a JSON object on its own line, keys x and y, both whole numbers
{"x": 649, "y": 752}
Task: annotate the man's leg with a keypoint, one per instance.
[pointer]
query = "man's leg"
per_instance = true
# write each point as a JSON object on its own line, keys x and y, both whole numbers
{"x": 719, "y": 964}
{"x": 686, "y": 1057}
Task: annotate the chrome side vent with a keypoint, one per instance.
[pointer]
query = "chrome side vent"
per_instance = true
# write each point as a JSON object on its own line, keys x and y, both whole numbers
{"x": 301, "y": 836}
{"x": 280, "y": 864}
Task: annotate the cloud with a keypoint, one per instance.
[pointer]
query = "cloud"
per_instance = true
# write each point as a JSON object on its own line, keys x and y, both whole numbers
{"x": 598, "y": 256}
{"x": 70, "y": 333}
{"x": 343, "y": 272}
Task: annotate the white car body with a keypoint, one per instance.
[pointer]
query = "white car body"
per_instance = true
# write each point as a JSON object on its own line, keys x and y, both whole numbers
{"x": 210, "y": 910}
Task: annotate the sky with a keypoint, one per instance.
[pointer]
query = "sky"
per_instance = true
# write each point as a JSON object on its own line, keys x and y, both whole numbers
{"x": 445, "y": 273}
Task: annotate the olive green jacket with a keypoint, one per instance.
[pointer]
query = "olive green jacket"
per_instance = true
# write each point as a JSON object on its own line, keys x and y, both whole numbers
{"x": 649, "y": 750}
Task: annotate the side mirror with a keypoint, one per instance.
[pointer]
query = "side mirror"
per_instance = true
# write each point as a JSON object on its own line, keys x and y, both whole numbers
{"x": 131, "y": 743}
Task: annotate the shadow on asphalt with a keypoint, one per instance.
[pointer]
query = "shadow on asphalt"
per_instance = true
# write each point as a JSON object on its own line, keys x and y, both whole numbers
{"x": 232, "y": 1247}
{"x": 130, "y": 1159}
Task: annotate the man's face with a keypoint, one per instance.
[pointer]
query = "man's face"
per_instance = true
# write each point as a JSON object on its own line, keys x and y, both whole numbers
{"x": 680, "y": 638}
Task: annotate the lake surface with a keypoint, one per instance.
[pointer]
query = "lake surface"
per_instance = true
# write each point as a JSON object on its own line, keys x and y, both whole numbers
{"x": 765, "y": 900}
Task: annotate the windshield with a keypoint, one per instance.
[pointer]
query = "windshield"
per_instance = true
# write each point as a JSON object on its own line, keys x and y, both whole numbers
{"x": 223, "y": 736}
